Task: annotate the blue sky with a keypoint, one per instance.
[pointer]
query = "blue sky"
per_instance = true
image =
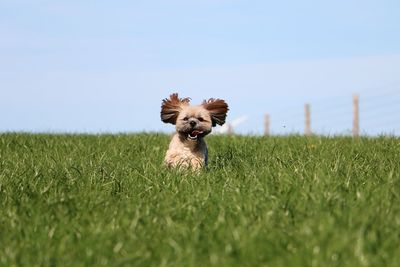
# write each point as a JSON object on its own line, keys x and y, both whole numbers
{"x": 105, "y": 66}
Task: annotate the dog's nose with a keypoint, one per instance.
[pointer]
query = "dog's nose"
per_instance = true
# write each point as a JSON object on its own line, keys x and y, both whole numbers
{"x": 192, "y": 123}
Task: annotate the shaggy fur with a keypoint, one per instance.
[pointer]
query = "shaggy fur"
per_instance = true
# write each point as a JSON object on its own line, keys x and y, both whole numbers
{"x": 188, "y": 148}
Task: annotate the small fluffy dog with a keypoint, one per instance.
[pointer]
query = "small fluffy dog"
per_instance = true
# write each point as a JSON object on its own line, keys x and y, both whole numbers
{"x": 188, "y": 148}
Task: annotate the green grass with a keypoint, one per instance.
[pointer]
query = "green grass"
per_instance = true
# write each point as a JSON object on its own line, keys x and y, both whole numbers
{"x": 84, "y": 200}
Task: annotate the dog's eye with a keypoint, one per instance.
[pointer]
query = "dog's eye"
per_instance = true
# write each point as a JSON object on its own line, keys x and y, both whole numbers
{"x": 201, "y": 119}
{"x": 186, "y": 118}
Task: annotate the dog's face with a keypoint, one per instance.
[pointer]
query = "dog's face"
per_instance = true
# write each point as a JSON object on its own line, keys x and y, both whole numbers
{"x": 193, "y": 122}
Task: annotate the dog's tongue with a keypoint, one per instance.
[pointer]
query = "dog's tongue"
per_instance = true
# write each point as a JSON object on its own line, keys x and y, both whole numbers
{"x": 196, "y": 133}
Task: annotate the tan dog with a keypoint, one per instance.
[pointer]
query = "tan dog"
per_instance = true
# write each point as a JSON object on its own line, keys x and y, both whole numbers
{"x": 188, "y": 148}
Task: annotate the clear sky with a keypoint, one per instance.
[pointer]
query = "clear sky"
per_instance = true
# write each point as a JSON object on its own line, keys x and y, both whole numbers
{"x": 105, "y": 66}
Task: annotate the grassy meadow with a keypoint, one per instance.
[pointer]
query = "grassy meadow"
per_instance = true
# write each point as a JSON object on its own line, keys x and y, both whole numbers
{"x": 106, "y": 200}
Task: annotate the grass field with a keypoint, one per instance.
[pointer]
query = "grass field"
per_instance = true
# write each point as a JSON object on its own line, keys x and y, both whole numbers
{"x": 86, "y": 200}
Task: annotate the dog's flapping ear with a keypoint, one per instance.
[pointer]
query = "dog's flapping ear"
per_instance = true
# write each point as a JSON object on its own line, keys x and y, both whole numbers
{"x": 218, "y": 109}
{"x": 170, "y": 108}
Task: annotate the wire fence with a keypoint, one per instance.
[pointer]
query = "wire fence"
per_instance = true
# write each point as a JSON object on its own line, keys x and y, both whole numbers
{"x": 374, "y": 113}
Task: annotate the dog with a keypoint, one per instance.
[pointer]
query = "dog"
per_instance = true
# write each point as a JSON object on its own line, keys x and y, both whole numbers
{"x": 187, "y": 148}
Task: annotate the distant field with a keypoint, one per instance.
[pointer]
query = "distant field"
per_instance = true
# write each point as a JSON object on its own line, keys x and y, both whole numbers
{"x": 86, "y": 200}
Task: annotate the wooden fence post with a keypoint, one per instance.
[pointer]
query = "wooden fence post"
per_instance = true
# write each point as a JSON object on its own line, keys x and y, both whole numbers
{"x": 356, "y": 118}
{"x": 266, "y": 125}
{"x": 230, "y": 129}
{"x": 307, "y": 121}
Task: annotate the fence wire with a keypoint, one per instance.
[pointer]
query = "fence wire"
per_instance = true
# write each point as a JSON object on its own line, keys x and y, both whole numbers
{"x": 379, "y": 114}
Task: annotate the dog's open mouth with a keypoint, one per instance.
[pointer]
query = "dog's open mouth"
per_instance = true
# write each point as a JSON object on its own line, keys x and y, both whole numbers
{"x": 194, "y": 134}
